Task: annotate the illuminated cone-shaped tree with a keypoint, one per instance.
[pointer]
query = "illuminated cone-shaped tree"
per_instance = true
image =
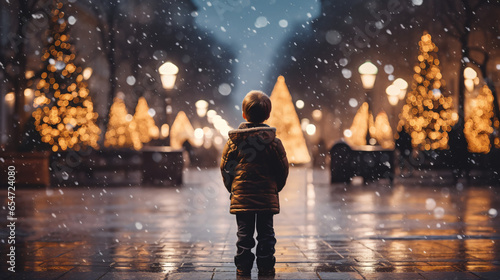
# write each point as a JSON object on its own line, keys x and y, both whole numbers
{"x": 383, "y": 131}
{"x": 285, "y": 119}
{"x": 122, "y": 128}
{"x": 427, "y": 114}
{"x": 145, "y": 123}
{"x": 359, "y": 127}
{"x": 181, "y": 131}
{"x": 478, "y": 124}
{"x": 64, "y": 113}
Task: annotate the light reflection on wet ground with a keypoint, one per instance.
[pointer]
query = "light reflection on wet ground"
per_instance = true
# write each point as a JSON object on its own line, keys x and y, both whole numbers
{"x": 358, "y": 230}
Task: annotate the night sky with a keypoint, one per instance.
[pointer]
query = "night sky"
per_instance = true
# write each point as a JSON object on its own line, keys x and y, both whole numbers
{"x": 254, "y": 30}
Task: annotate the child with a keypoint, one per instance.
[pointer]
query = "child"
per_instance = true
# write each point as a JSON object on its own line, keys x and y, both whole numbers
{"x": 254, "y": 169}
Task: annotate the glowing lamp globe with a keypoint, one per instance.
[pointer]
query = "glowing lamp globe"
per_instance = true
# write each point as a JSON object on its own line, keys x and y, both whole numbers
{"x": 168, "y": 73}
{"x": 201, "y": 108}
{"x": 393, "y": 92}
{"x": 470, "y": 73}
{"x": 368, "y": 72}
{"x": 403, "y": 86}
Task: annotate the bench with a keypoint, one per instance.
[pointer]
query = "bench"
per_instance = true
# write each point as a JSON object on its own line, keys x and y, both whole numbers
{"x": 151, "y": 165}
{"x": 32, "y": 168}
{"x": 370, "y": 162}
{"x": 162, "y": 165}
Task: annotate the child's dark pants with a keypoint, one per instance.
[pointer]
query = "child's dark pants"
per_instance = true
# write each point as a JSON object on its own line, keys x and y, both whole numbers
{"x": 265, "y": 236}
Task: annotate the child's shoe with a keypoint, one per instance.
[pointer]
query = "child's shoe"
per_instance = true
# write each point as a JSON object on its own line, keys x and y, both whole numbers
{"x": 267, "y": 272}
{"x": 243, "y": 272}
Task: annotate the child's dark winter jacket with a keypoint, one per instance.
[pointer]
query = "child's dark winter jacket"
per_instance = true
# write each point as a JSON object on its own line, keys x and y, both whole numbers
{"x": 254, "y": 168}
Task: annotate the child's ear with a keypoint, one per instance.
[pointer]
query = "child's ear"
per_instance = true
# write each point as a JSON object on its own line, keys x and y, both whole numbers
{"x": 243, "y": 115}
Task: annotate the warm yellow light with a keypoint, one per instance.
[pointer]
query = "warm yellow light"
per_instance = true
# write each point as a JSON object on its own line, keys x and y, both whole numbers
{"x": 403, "y": 86}
{"x": 311, "y": 129}
{"x": 470, "y": 73}
{"x": 164, "y": 131}
{"x": 168, "y": 73}
{"x": 393, "y": 100}
{"x": 469, "y": 84}
{"x": 201, "y": 108}
{"x": 29, "y": 74}
{"x": 10, "y": 99}
{"x": 392, "y": 90}
{"x": 317, "y": 115}
{"x": 87, "y": 73}
{"x": 347, "y": 133}
{"x": 299, "y": 104}
{"x": 368, "y": 72}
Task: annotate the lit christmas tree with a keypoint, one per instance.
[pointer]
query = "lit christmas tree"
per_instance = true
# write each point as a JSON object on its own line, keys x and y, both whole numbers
{"x": 64, "y": 113}
{"x": 145, "y": 123}
{"x": 285, "y": 119}
{"x": 383, "y": 131}
{"x": 427, "y": 114}
{"x": 122, "y": 128}
{"x": 359, "y": 126}
{"x": 182, "y": 130}
{"x": 478, "y": 124}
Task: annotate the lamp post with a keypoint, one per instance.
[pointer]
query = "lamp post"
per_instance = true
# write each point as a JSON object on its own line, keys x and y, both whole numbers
{"x": 396, "y": 92}
{"x": 393, "y": 96}
{"x": 470, "y": 76}
{"x": 403, "y": 86}
{"x": 168, "y": 73}
{"x": 368, "y": 72}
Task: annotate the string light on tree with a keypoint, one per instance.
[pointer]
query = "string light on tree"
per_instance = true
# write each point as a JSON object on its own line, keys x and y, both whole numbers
{"x": 478, "y": 125}
{"x": 148, "y": 129}
{"x": 427, "y": 115}
{"x": 122, "y": 128}
{"x": 64, "y": 114}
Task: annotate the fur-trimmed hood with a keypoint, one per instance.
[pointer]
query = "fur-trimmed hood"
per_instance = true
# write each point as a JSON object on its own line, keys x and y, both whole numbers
{"x": 265, "y": 133}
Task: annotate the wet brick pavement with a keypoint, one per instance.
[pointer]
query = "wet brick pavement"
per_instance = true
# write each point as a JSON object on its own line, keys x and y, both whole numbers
{"x": 415, "y": 229}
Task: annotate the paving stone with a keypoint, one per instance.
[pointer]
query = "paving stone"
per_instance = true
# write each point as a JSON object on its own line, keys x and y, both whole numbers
{"x": 340, "y": 275}
{"x": 77, "y": 275}
{"x": 133, "y": 276}
{"x": 394, "y": 276}
{"x": 324, "y": 231}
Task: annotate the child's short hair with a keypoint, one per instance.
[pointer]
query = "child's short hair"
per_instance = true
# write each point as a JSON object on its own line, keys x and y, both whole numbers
{"x": 256, "y": 106}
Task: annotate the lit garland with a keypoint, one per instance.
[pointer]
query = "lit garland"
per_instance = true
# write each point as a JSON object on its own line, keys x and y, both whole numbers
{"x": 64, "y": 114}
{"x": 145, "y": 123}
{"x": 427, "y": 114}
{"x": 122, "y": 128}
{"x": 478, "y": 126}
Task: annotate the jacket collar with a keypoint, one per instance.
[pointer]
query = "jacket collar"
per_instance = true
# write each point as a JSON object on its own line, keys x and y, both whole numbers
{"x": 247, "y": 129}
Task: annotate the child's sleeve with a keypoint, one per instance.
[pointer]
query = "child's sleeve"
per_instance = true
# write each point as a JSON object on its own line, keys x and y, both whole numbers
{"x": 228, "y": 164}
{"x": 281, "y": 166}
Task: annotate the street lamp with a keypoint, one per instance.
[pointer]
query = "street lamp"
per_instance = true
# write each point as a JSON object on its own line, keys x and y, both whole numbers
{"x": 470, "y": 75}
{"x": 393, "y": 93}
{"x": 168, "y": 73}
{"x": 403, "y": 86}
{"x": 396, "y": 92}
{"x": 201, "y": 108}
{"x": 368, "y": 72}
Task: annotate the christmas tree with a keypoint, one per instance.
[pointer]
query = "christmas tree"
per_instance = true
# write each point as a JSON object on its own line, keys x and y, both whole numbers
{"x": 64, "y": 114}
{"x": 383, "y": 131}
{"x": 427, "y": 114}
{"x": 359, "y": 127}
{"x": 145, "y": 122}
{"x": 122, "y": 128}
{"x": 181, "y": 131}
{"x": 285, "y": 119}
{"x": 478, "y": 124}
